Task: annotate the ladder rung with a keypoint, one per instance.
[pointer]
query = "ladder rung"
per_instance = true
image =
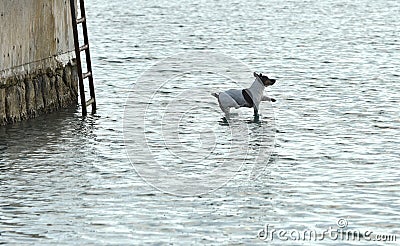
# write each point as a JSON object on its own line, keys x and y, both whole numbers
{"x": 84, "y": 47}
{"x": 89, "y": 102}
{"x": 88, "y": 74}
{"x": 80, "y": 20}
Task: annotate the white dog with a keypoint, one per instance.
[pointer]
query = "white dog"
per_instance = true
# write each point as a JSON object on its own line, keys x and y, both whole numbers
{"x": 250, "y": 97}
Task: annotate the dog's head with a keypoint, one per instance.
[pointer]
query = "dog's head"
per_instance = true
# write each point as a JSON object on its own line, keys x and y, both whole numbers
{"x": 264, "y": 79}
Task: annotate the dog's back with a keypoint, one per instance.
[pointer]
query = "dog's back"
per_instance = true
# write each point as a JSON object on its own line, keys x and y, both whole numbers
{"x": 237, "y": 96}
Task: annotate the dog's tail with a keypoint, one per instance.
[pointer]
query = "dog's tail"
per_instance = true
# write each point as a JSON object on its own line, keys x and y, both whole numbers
{"x": 215, "y": 94}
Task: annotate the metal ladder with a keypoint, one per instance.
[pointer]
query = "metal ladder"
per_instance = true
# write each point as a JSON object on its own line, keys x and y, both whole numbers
{"x": 78, "y": 50}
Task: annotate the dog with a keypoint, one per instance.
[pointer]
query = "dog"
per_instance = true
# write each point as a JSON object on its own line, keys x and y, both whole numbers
{"x": 250, "y": 97}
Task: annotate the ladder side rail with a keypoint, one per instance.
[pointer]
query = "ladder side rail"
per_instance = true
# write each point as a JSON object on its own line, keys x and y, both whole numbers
{"x": 78, "y": 57}
{"x": 88, "y": 57}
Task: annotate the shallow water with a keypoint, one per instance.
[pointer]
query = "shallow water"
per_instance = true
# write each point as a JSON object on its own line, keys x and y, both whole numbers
{"x": 330, "y": 145}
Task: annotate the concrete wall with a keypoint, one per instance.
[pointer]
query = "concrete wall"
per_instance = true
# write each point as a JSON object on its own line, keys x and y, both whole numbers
{"x": 37, "y": 70}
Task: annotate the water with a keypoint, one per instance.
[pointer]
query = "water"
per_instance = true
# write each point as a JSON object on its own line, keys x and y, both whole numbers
{"x": 65, "y": 179}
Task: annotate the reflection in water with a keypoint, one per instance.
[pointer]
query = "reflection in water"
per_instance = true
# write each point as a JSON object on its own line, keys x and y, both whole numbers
{"x": 45, "y": 133}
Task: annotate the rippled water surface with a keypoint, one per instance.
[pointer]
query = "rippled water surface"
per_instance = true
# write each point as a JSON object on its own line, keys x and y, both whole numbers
{"x": 331, "y": 143}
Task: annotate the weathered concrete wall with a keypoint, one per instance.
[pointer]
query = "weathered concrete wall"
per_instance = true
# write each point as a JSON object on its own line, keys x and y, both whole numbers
{"x": 37, "y": 69}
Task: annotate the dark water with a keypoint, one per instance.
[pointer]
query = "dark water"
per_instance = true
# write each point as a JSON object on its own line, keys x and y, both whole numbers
{"x": 335, "y": 151}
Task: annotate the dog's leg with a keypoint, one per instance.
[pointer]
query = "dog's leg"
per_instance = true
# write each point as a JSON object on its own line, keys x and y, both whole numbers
{"x": 256, "y": 115}
{"x": 225, "y": 103}
{"x": 265, "y": 98}
{"x": 226, "y": 112}
{"x": 256, "y": 112}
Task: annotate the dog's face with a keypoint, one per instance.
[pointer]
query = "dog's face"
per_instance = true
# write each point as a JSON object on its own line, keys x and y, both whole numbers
{"x": 264, "y": 79}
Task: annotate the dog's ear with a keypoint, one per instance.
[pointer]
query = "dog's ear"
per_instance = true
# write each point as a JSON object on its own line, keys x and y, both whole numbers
{"x": 261, "y": 75}
{"x": 255, "y": 74}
